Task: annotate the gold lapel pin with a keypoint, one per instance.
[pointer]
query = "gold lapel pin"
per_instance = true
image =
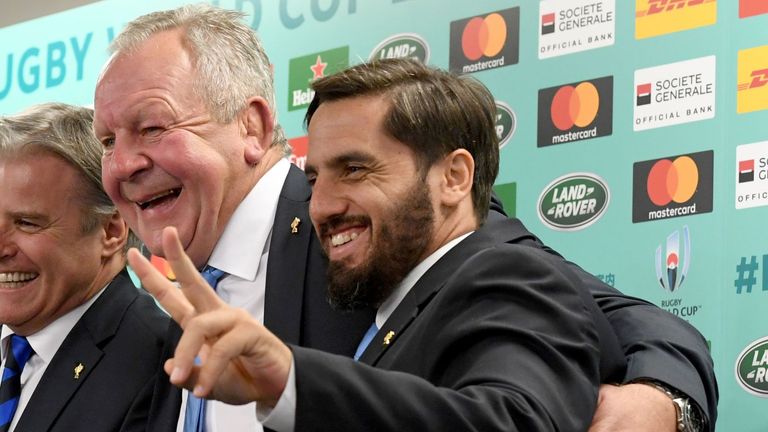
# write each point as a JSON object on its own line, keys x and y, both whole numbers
{"x": 78, "y": 370}
{"x": 295, "y": 225}
{"x": 388, "y": 337}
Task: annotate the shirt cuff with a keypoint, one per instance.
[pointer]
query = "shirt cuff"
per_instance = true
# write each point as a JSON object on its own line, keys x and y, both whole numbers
{"x": 282, "y": 417}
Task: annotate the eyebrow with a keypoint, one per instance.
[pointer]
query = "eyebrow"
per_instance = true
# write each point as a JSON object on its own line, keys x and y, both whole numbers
{"x": 341, "y": 160}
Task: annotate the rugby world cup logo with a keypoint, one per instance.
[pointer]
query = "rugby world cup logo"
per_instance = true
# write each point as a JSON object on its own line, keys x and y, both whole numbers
{"x": 668, "y": 271}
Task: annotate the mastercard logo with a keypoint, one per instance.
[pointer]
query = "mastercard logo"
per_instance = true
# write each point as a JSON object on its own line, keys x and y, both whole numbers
{"x": 672, "y": 181}
{"x": 484, "y": 36}
{"x": 575, "y": 106}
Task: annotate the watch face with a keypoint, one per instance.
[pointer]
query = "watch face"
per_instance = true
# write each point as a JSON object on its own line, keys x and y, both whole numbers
{"x": 691, "y": 419}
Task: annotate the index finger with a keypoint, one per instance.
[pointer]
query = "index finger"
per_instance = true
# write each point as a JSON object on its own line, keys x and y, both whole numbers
{"x": 194, "y": 287}
{"x": 164, "y": 291}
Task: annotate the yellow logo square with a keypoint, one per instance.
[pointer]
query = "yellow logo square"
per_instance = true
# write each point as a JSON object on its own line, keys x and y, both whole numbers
{"x": 658, "y": 17}
{"x": 752, "y": 80}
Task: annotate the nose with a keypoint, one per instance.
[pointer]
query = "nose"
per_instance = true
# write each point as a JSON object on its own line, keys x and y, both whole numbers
{"x": 8, "y": 248}
{"x": 126, "y": 159}
{"x": 327, "y": 201}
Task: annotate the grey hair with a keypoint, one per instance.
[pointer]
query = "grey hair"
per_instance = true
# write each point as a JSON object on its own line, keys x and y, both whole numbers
{"x": 65, "y": 131}
{"x": 230, "y": 61}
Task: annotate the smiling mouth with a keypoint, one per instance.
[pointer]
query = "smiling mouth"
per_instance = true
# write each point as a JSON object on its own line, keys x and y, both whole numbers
{"x": 16, "y": 279}
{"x": 160, "y": 198}
{"x": 343, "y": 238}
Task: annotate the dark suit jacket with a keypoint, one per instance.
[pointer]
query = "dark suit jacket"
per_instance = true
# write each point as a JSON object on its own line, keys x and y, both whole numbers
{"x": 657, "y": 344}
{"x": 295, "y": 305}
{"x": 495, "y": 336}
{"x": 119, "y": 341}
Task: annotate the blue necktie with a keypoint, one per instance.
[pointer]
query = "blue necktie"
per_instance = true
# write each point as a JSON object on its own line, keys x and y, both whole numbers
{"x": 194, "y": 419}
{"x": 367, "y": 338}
{"x": 10, "y": 389}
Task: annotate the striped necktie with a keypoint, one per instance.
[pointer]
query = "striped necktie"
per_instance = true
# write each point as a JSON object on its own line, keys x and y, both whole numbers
{"x": 10, "y": 389}
{"x": 194, "y": 418}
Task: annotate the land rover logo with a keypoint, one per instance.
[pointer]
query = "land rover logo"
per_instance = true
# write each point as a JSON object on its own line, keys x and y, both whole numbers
{"x": 573, "y": 201}
{"x": 752, "y": 368}
{"x": 506, "y": 122}
{"x": 403, "y": 45}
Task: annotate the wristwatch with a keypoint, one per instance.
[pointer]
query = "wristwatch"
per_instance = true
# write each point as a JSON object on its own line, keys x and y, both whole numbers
{"x": 689, "y": 417}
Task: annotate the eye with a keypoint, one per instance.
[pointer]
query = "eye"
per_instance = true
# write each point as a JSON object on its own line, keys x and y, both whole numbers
{"x": 354, "y": 171}
{"x": 27, "y": 225}
{"x": 151, "y": 131}
{"x": 311, "y": 179}
{"x": 108, "y": 143}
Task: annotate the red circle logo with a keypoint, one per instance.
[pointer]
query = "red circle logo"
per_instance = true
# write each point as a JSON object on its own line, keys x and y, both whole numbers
{"x": 575, "y": 106}
{"x": 672, "y": 181}
{"x": 484, "y": 36}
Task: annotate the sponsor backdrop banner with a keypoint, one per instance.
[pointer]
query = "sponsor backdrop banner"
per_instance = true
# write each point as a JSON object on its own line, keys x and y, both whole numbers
{"x": 634, "y": 132}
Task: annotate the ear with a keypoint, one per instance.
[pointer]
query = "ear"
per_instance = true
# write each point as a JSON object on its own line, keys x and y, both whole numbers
{"x": 115, "y": 235}
{"x": 258, "y": 126}
{"x": 457, "y": 170}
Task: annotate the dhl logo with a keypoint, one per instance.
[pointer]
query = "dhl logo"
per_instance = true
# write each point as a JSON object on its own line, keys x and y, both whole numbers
{"x": 659, "y": 6}
{"x": 752, "y": 80}
{"x": 759, "y": 79}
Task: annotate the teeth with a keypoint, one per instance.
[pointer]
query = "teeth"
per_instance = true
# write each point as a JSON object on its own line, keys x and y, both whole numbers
{"x": 154, "y": 197}
{"x": 16, "y": 277}
{"x": 340, "y": 239}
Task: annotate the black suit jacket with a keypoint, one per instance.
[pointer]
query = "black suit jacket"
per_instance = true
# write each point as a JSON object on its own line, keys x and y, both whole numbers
{"x": 656, "y": 343}
{"x": 295, "y": 305}
{"x": 119, "y": 342}
{"x": 495, "y": 336}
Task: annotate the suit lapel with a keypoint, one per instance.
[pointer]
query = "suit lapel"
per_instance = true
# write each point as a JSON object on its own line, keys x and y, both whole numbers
{"x": 82, "y": 346}
{"x": 287, "y": 257}
{"x": 493, "y": 232}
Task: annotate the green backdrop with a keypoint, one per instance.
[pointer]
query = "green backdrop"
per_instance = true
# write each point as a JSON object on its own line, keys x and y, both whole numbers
{"x": 635, "y": 132}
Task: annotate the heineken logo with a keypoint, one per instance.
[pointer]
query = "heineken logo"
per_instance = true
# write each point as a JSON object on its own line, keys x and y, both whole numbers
{"x": 305, "y": 69}
{"x": 403, "y": 45}
{"x": 573, "y": 201}
{"x": 506, "y": 122}
{"x": 752, "y": 368}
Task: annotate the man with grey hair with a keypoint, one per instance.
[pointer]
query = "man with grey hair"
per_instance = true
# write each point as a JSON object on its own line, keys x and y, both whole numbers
{"x": 80, "y": 346}
{"x": 185, "y": 111}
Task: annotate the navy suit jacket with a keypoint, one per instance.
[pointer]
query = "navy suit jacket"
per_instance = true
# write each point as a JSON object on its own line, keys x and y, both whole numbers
{"x": 657, "y": 344}
{"x": 119, "y": 342}
{"x": 496, "y": 336}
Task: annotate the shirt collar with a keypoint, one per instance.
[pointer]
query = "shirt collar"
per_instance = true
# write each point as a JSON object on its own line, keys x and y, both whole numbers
{"x": 239, "y": 249}
{"x": 397, "y": 296}
{"x": 48, "y": 340}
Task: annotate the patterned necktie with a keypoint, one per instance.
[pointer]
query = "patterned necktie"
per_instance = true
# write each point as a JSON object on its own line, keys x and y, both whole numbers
{"x": 194, "y": 419}
{"x": 367, "y": 338}
{"x": 10, "y": 389}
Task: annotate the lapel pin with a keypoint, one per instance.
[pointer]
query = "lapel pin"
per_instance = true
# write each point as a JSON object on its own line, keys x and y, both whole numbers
{"x": 78, "y": 370}
{"x": 388, "y": 337}
{"x": 295, "y": 225}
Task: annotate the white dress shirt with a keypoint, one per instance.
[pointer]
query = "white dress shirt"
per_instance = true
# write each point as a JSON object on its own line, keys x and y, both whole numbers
{"x": 242, "y": 253}
{"x": 45, "y": 343}
{"x": 283, "y": 417}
